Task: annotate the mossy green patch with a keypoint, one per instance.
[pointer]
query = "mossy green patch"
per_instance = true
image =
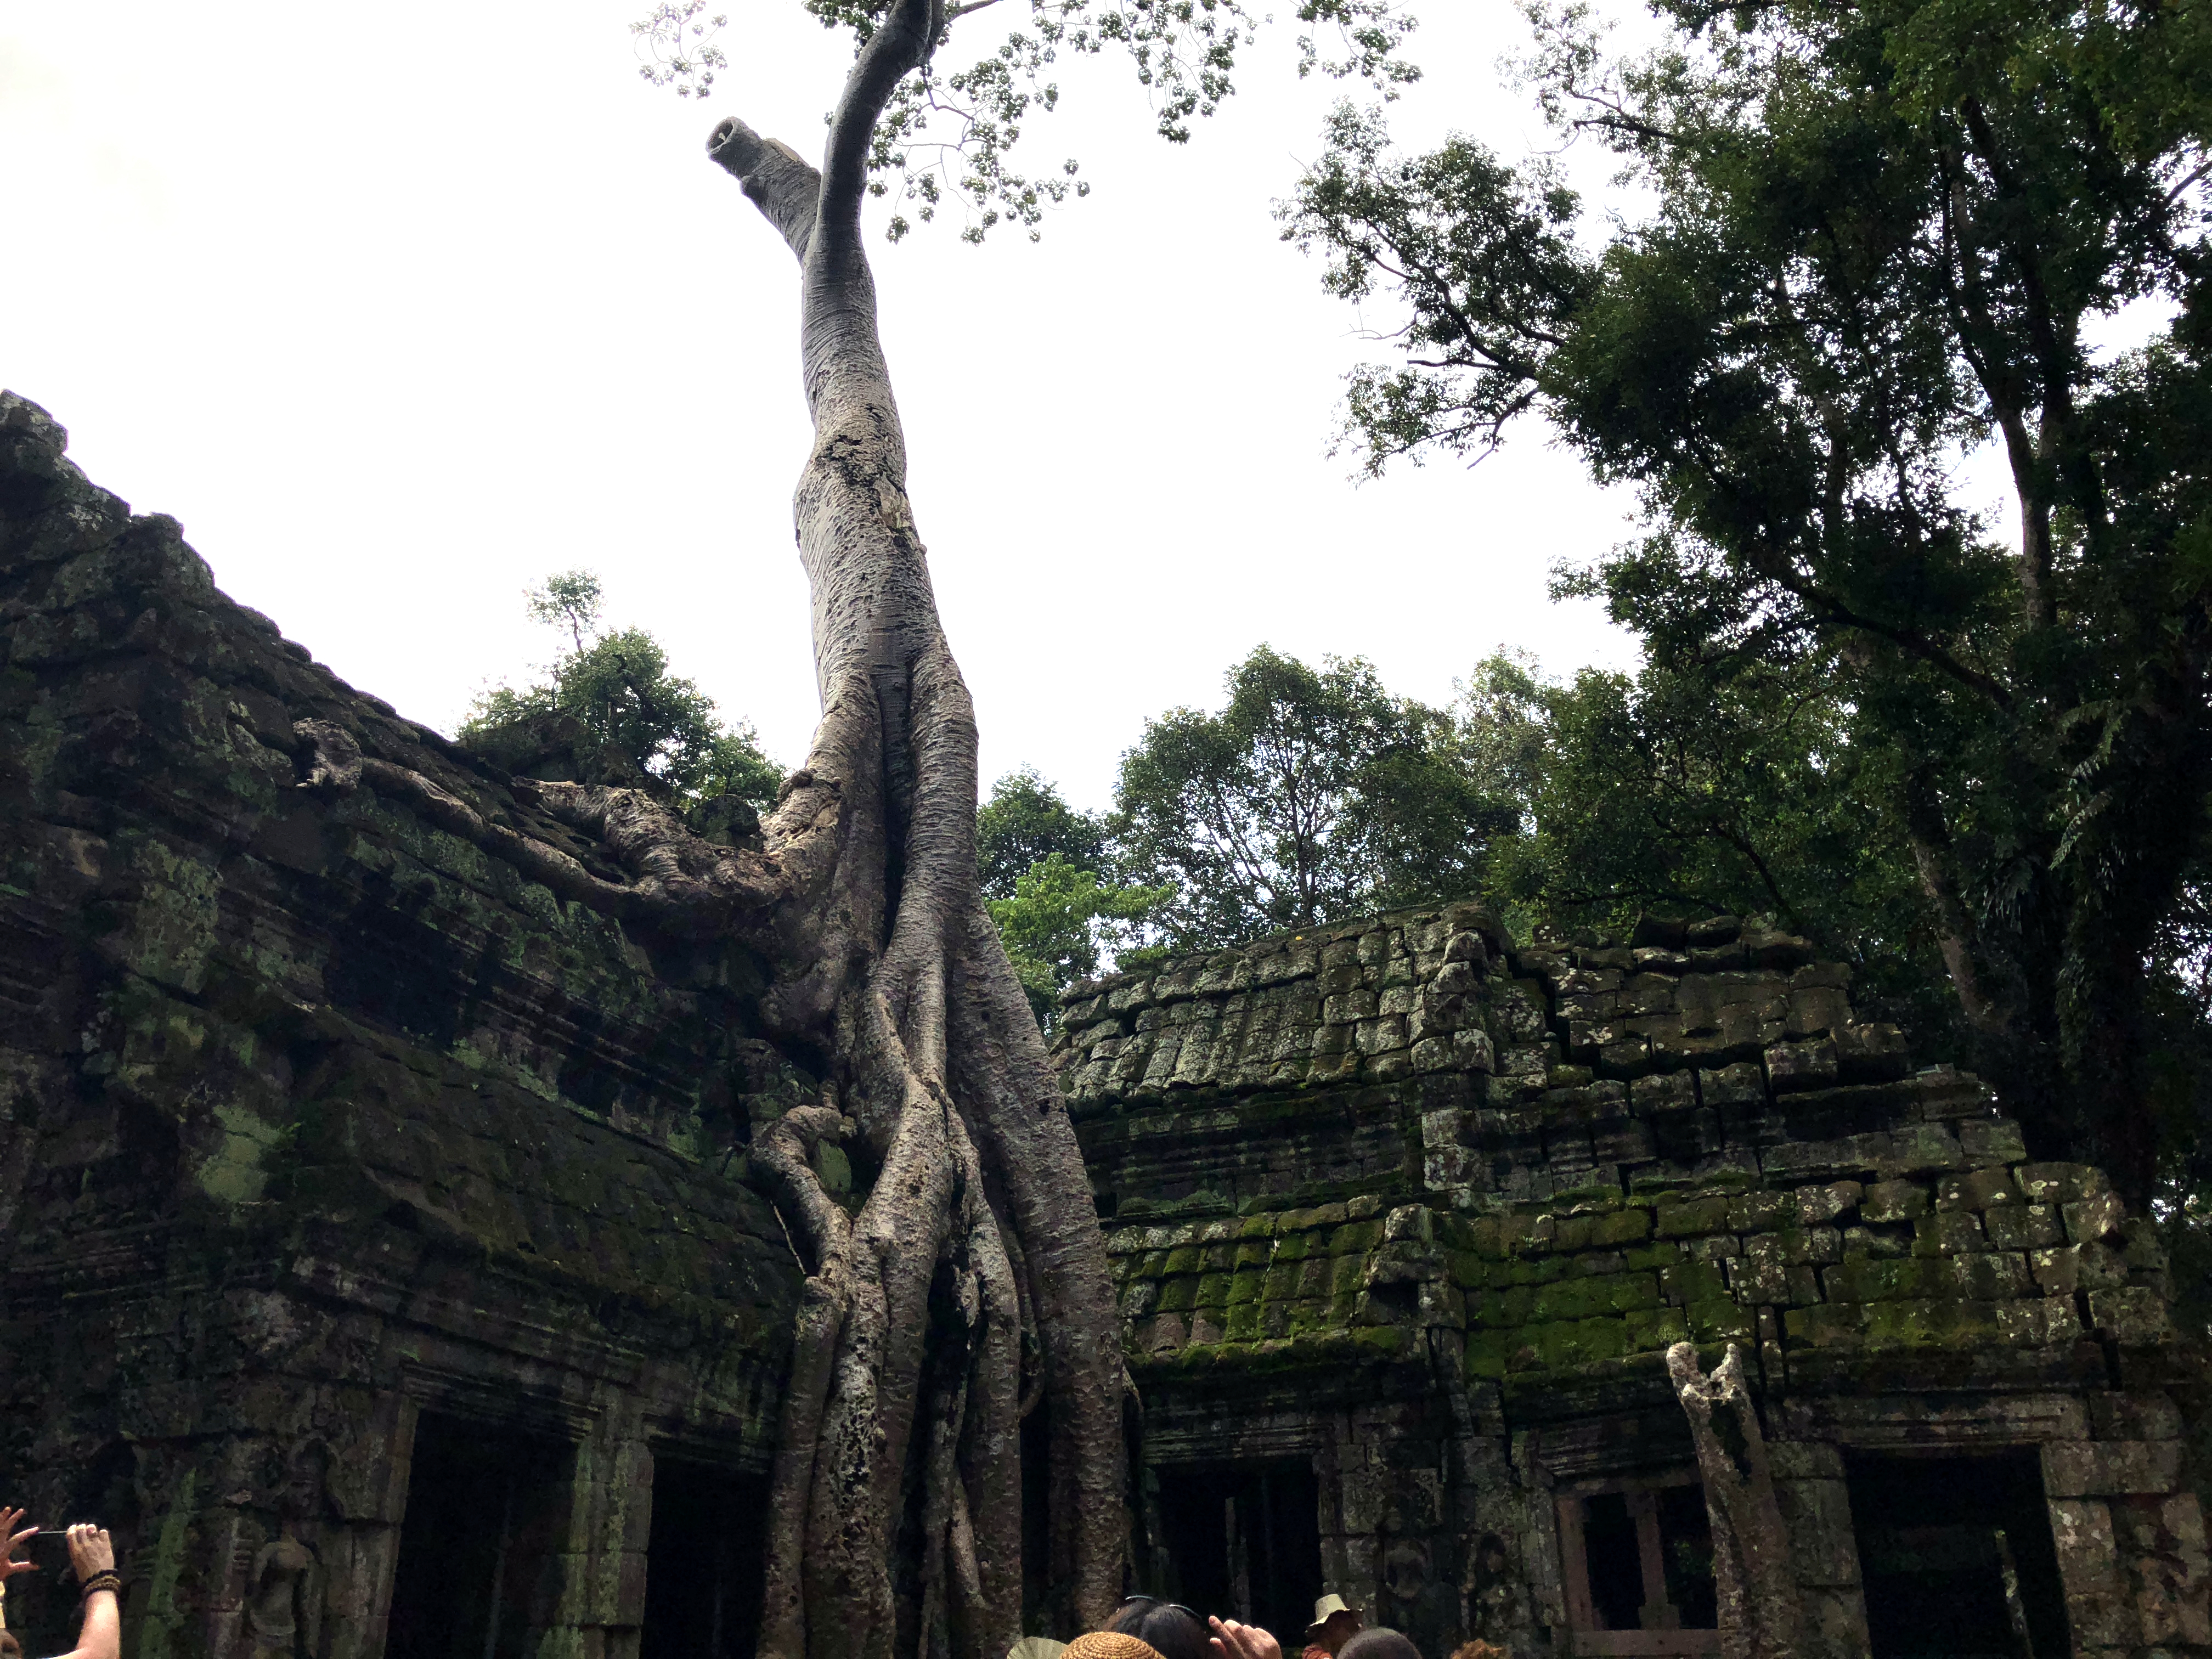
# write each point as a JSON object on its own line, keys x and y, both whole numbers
{"x": 1355, "y": 1238}
{"x": 1693, "y": 1281}
{"x": 1718, "y": 1319}
{"x": 1654, "y": 1329}
{"x": 164, "y": 1618}
{"x": 1933, "y": 1324}
{"x": 237, "y": 1171}
{"x": 1179, "y": 1294}
{"x": 1694, "y": 1218}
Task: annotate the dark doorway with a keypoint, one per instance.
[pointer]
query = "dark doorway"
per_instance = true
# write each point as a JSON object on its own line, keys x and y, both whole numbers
{"x": 1637, "y": 1555}
{"x": 477, "y": 1573}
{"x": 1685, "y": 1545}
{"x": 1036, "y": 1524}
{"x": 1616, "y": 1562}
{"x": 1243, "y": 1541}
{"x": 1957, "y": 1557}
{"x": 704, "y": 1561}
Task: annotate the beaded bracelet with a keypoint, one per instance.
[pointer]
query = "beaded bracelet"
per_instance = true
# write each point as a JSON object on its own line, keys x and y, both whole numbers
{"x": 109, "y": 1580}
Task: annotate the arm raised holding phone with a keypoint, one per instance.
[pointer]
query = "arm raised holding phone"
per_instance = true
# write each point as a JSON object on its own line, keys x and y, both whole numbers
{"x": 92, "y": 1556}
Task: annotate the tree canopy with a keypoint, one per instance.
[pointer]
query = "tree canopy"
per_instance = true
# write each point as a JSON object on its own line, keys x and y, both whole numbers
{"x": 1879, "y": 237}
{"x": 1047, "y": 869}
{"x": 1313, "y": 795}
{"x": 947, "y": 132}
{"x": 1027, "y": 821}
{"x": 608, "y": 710}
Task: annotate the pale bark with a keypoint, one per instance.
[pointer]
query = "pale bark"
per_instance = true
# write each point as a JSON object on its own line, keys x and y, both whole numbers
{"x": 1761, "y": 1615}
{"x": 978, "y": 1231}
{"x": 946, "y": 1073}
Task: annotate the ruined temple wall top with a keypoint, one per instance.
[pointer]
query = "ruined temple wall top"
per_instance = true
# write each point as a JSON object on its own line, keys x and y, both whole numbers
{"x": 1338, "y": 1144}
{"x": 258, "y": 1030}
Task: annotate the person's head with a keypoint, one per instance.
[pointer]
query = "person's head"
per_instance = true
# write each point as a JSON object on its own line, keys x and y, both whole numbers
{"x": 1176, "y": 1632}
{"x": 1379, "y": 1644}
{"x": 9, "y": 1647}
{"x": 1109, "y": 1644}
{"x": 1334, "y": 1624}
{"x": 1479, "y": 1649}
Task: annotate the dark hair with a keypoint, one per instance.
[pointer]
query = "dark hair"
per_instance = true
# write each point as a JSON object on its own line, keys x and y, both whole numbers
{"x": 1378, "y": 1644}
{"x": 1170, "y": 1630}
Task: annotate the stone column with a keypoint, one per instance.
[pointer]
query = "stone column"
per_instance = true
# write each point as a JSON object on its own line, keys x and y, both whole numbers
{"x": 599, "y": 1572}
{"x": 1810, "y": 1491}
{"x": 372, "y": 1462}
{"x": 2130, "y": 1538}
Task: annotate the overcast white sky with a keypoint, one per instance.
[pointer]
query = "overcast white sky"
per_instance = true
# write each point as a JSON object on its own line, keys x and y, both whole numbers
{"x": 400, "y": 308}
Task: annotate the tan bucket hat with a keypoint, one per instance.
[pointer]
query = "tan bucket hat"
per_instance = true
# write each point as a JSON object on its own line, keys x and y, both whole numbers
{"x": 1326, "y": 1609}
{"x": 1109, "y": 1644}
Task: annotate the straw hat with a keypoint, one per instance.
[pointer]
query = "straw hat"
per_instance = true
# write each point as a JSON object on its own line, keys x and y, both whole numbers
{"x": 1326, "y": 1609}
{"x": 1109, "y": 1644}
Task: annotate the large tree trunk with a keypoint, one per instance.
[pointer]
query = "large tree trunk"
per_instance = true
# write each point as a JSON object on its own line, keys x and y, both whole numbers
{"x": 900, "y": 1451}
{"x": 971, "y": 1288}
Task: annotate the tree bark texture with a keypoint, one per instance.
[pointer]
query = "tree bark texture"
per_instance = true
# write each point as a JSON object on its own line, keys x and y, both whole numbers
{"x": 897, "y": 1503}
{"x": 971, "y": 1285}
{"x": 1760, "y": 1613}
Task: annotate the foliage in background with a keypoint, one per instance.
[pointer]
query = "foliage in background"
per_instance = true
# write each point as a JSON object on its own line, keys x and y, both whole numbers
{"x": 1061, "y": 924}
{"x": 1047, "y": 874}
{"x": 946, "y": 135}
{"x": 1881, "y": 235}
{"x": 610, "y": 709}
{"x": 1313, "y": 795}
{"x": 1740, "y": 795}
{"x": 1027, "y": 821}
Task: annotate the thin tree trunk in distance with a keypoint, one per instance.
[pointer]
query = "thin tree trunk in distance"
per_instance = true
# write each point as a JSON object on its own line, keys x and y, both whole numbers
{"x": 1760, "y": 1613}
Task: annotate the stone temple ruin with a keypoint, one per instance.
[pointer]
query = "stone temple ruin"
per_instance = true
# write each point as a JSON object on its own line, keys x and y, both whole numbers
{"x": 377, "y": 1257}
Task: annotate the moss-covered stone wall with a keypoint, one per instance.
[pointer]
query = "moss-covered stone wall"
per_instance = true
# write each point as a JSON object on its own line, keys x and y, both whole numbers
{"x": 1429, "y": 1210}
{"x": 317, "y": 1126}
{"x": 313, "y": 1119}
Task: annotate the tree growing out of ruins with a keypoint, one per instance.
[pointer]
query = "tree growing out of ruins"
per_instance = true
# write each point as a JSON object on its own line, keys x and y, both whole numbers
{"x": 971, "y": 1287}
{"x": 900, "y": 1457}
{"x": 609, "y": 705}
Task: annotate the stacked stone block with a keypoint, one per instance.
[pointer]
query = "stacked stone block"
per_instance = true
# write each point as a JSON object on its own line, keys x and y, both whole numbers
{"x": 313, "y": 1119}
{"x": 1501, "y": 1181}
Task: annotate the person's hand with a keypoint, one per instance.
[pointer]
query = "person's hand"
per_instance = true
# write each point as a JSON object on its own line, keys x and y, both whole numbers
{"x": 9, "y": 1566}
{"x": 1234, "y": 1641}
{"x": 89, "y": 1550}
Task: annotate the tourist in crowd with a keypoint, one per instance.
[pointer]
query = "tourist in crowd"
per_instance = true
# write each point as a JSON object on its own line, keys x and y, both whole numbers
{"x": 1110, "y": 1645}
{"x": 10, "y": 1541}
{"x": 1379, "y": 1644}
{"x": 100, "y": 1636}
{"x": 1334, "y": 1623}
{"x": 1479, "y": 1649}
{"x": 1234, "y": 1641}
{"x": 1170, "y": 1629}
